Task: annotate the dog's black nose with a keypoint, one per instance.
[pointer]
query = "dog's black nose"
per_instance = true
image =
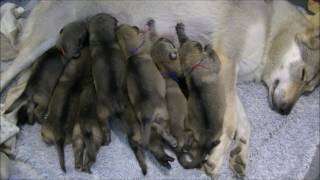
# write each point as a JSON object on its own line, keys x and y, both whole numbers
{"x": 285, "y": 109}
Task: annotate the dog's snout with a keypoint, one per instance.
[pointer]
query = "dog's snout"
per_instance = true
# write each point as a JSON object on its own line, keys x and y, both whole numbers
{"x": 285, "y": 108}
{"x": 281, "y": 104}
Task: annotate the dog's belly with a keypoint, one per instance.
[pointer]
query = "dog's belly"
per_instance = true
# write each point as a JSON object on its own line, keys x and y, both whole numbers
{"x": 252, "y": 53}
{"x": 199, "y": 17}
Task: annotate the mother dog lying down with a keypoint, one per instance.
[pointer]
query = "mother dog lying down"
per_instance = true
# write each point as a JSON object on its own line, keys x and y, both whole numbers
{"x": 271, "y": 41}
{"x": 268, "y": 41}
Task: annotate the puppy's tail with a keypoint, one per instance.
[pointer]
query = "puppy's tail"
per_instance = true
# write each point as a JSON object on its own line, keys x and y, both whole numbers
{"x": 60, "y": 150}
{"x": 16, "y": 103}
{"x": 138, "y": 152}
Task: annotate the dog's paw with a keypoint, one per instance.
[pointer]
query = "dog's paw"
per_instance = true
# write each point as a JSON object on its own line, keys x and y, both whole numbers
{"x": 237, "y": 162}
{"x": 210, "y": 169}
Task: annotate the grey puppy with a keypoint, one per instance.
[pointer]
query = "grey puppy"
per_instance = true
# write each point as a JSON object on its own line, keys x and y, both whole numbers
{"x": 46, "y": 73}
{"x": 165, "y": 55}
{"x": 108, "y": 67}
{"x": 146, "y": 87}
{"x": 88, "y": 132}
{"x": 206, "y": 101}
{"x": 53, "y": 130}
{"x": 146, "y": 91}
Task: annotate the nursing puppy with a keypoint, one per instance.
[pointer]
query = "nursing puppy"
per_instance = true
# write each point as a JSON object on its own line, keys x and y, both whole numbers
{"x": 45, "y": 75}
{"x": 165, "y": 55}
{"x": 108, "y": 67}
{"x": 206, "y": 101}
{"x": 53, "y": 130}
{"x": 88, "y": 132}
{"x": 39, "y": 87}
{"x": 146, "y": 87}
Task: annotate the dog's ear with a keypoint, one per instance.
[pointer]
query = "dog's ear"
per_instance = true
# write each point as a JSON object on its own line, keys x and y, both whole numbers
{"x": 310, "y": 38}
{"x": 214, "y": 57}
{"x": 136, "y": 29}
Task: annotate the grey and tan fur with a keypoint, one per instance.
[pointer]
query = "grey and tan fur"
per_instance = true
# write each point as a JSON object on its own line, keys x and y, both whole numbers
{"x": 206, "y": 101}
{"x": 39, "y": 87}
{"x": 88, "y": 132}
{"x": 166, "y": 57}
{"x": 108, "y": 68}
{"x": 251, "y": 48}
{"x": 146, "y": 91}
{"x": 47, "y": 72}
{"x": 146, "y": 87}
{"x": 54, "y": 128}
{"x": 275, "y": 51}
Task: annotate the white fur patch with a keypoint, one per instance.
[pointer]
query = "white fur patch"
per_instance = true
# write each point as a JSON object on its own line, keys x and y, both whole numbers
{"x": 293, "y": 55}
{"x": 252, "y": 52}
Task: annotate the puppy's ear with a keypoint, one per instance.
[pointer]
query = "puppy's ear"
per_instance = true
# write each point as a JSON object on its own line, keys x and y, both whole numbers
{"x": 199, "y": 46}
{"x": 137, "y": 29}
{"x": 211, "y": 145}
{"x": 115, "y": 20}
{"x": 61, "y": 30}
{"x": 208, "y": 47}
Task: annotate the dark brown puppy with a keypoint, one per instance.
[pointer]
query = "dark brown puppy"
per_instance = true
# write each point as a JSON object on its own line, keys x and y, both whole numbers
{"x": 108, "y": 67}
{"x": 88, "y": 132}
{"x": 53, "y": 130}
{"x": 206, "y": 101}
{"x": 46, "y": 73}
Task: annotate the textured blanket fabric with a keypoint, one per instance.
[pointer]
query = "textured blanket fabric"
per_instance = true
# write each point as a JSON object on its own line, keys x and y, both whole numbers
{"x": 282, "y": 147}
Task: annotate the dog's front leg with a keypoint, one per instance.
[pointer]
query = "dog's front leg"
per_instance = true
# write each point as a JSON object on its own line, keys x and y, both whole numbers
{"x": 216, "y": 155}
{"x": 239, "y": 155}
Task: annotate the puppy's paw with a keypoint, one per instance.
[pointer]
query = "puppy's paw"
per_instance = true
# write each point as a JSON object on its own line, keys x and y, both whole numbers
{"x": 164, "y": 161}
{"x": 87, "y": 170}
{"x": 237, "y": 162}
{"x": 106, "y": 139}
{"x": 78, "y": 166}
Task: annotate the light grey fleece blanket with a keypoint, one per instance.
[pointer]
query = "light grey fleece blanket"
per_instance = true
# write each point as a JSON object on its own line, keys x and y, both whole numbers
{"x": 281, "y": 147}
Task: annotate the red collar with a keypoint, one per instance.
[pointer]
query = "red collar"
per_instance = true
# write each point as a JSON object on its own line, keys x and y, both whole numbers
{"x": 197, "y": 65}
